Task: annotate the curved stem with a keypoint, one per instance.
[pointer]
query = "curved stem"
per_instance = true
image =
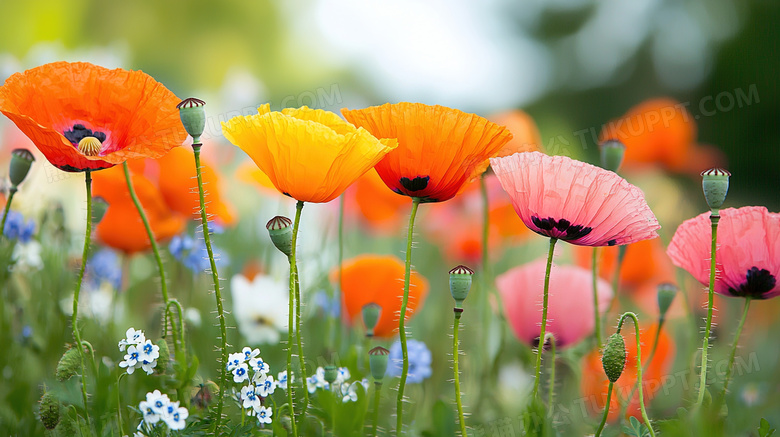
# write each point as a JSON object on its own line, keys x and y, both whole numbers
{"x": 734, "y": 348}
{"x": 638, "y": 367}
{"x": 180, "y": 312}
{"x": 217, "y": 292}
{"x": 377, "y": 396}
{"x": 551, "y": 388}
{"x": 455, "y": 354}
{"x": 540, "y": 348}
{"x": 294, "y": 265}
{"x": 650, "y": 357}
{"x": 606, "y": 410}
{"x": 7, "y": 208}
{"x": 706, "y": 342}
{"x": 119, "y": 403}
{"x": 402, "y": 318}
{"x": 74, "y": 321}
{"x": 596, "y": 317}
{"x": 615, "y": 284}
{"x": 155, "y": 250}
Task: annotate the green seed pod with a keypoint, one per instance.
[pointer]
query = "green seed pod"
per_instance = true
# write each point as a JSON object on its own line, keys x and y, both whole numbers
{"x": 612, "y": 152}
{"x": 99, "y": 208}
{"x": 460, "y": 283}
{"x": 613, "y": 358}
{"x": 49, "y": 409}
{"x": 371, "y": 313}
{"x": 164, "y": 358}
{"x": 715, "y": 183}
{"x": 21, "y": 161}
{"x": 280, "y": 229}
{"x": 69, "y": 365}
{"x": 66, "y": 427}
{"x": 666, "y": 293}
{"x": 193, "y": 117}
{"x": 377, "y": 362}
{"x": 331, "y": 373}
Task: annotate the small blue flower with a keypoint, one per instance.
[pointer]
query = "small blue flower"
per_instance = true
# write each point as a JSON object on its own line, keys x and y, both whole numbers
{"x": 329, "y": 306}
{"x": 104, "y": 266}
{"x": 419, "y": 361}
{"x": 193, "y": 253}
{"x": 17, "y": 228}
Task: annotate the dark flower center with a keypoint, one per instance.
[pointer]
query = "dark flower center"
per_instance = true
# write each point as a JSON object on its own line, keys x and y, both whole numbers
{"x": 561, "y": 229}
{"x": 79, "y": 132}
{"x": 416, "y": 184}
{"x": 757, "y": 282}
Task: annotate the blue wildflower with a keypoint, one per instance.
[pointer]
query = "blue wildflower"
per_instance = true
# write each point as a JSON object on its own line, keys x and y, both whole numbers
{"x": 104, "y": 266}
{"x": 192, "y": 253}
{"x": 419, "y": 361}
{"x": 17, "y": 228}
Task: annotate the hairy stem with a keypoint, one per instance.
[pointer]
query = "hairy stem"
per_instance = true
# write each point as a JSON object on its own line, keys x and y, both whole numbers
{"x": 455, "y": 354}
{"x": 7, "y": 208}
{"x": 74, "y": 321}
{"x": 596, "y": 317}
{"x": 633, "y": 317}
{"x": 706, "y": 342}
{"x": 540, "y": 348}
{"x": 377, "y": 397}
{"x": 734, "y": 348}
{"x": 606, "y": 411}
{"x": 294, "y": 278}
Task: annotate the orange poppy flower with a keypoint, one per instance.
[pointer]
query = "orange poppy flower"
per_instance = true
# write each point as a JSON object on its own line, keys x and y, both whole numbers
{"x": 439, "y": 149}
{"x": 370, "y": 202}
{"x": 121, "y": 227}
{"x": 661, "y": 131}
{"x": 57, "y": 105}
{"x": 308, "y": 154}
{"x": 594, "y": 385}
{"x": 378, "y": 279}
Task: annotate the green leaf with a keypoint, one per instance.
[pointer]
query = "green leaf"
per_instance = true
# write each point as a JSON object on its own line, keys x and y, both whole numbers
{"x": 764, "y": 429}
{"x": 636, "y": 428}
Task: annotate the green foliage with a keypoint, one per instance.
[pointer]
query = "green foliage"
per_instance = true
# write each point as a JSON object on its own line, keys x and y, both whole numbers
{"x": 764, "y": 429}
{"x": 635, "y": 428}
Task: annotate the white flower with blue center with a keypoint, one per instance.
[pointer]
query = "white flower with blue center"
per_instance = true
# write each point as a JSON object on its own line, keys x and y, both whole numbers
{"x": 259, "y": 366}
{"x": 149, "y": 351}
{"x": 265, "y": 385}
{"x": 249, "y": 397}
{"x": 263, "y": 414}
{"x": 317, "y": 381}
{"x": 133, "y": 337}
{"x": 349, "y": 391}
{"x": 240, "y": 373}
{"x": 148, "y": 366}
{"x": 281, "y": 380}
{"x": 151, "y": 416}
{"x": 234, "y": 360}
{"x": 343, "y": 375}
{"x": 249, "y": 353}
{"x": 131, "y": 359}
{"x": 176, "y": 416}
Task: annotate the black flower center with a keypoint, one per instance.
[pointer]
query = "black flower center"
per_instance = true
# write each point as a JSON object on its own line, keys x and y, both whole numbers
{"x": 757, "y": 282}
{"x": 561, "y": 229}
{"x": 416, "y": 184}
{"x": 79, "y": 132}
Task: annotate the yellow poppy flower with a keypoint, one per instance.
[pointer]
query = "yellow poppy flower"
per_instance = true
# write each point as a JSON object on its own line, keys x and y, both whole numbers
{"x": 308, "y": 154}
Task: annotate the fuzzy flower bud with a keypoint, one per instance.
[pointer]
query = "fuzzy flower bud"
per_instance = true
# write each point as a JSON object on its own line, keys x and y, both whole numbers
{"x": 613, "y": 358}
{"x": 612, "y": 152}
{"x": 331, "y": 373}
{"x": 280, "y": 230}
{"x": 666, "y": 293}
{"x": 715, "y": 183}
{"x": 193, "y": 117}
{"x": 460, "y": 284}
{"x": 68, "y": 365}
{"x": 21, "y": 161}
{"x": 377, "y": 362}
{"x": 371, "y": 313}
{"x": 49, "y": 410}
{"x": 164, "y": 358}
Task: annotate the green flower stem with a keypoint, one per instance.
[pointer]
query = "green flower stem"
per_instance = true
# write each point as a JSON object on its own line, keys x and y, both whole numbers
{"x": 706, "y": 342}
{"x": 455, "y": 354}
{"x": 540, "y": 348}
{"x": 180, "y": 353}
{"x": 650, "y": 357}
{"x": 596, "y": 317}
{"x": 294, "y": 277}
{"x": 377, "y": 397}
{"x": 606, "y": 410}
{"x": 119, "y": 403}
{"x": 290, "y": 343}
{"x": 638, "y": 366}
{"x": 217, "y": 292}
{"x": 484, "y": 277}
{"x": 155, "y": 250}
{"x": 734, "y": 348}
{"x": 179, "y": 328}
{"x": 11, "y": 193}
{"x": 74, "y": 320}
{"x": 551, "y": 388}
{"x": 402, "y": 319}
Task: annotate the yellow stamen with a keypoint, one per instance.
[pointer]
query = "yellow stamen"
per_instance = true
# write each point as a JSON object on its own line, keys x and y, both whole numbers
{"x": 90, "y": 146}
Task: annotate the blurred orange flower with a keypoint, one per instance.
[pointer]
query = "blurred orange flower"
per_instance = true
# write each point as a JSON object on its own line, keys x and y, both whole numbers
{"x": 594, "y": 386}
{"x": 379, "y": 279}
{"x": 57, "y": 105}
{"x": 644, "y": 262}
{"x": 439, "y": 149}
{"x": 661, "y": 131}
{"x": 377, "y": 207}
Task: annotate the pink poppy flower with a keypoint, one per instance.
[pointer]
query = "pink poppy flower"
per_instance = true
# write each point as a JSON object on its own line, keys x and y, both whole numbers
{"x": 561, "y": 198}
{"x": 570, "y": 303}
{"x": 748, "y": 257}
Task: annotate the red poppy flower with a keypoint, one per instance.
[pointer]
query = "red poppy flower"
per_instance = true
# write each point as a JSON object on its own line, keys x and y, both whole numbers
{"x": 57, "y": 105}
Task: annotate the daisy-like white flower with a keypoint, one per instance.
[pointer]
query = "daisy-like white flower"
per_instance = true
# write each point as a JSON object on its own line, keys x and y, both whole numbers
{"x": 131, "y": 359}
{"x": 263, "y": 414}
{"x": 240, "y": 373}
{"x": 234, "y": 360}
{"x": 151, "y": 416}
{"x": 266, "y": 385}
{"x": 149, "y": 352}
{"x": 260, "y": 307}
{"x": 133, "y": 337}
{"x": 158, "y": 401}
{"x": 281, "y": 380}
{"x": 175, "y": 419}
{"x": 249, "y": 397}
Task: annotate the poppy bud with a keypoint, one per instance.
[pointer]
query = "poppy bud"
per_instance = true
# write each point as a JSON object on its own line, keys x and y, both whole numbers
{"x": 164, "y": 358}
{"x": 612, "y": 152}
{"x": 68, "y": 365}
{"x": 49, "y": 410}
{"x": 377, "y": 362}
{"x": 331, "y": 373}
{"x": 193, "y": 117}
{"x": 715, "y": 183}
{"x": 371, "y": 313}
{"x": 99, "y": 208}
{"x": 613, "y": 358}
{"x": 460, "y": 283}
{"x": 666, "y": 293}
{"x": 280, "y": 230}
{"x": 21, "y": 161}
